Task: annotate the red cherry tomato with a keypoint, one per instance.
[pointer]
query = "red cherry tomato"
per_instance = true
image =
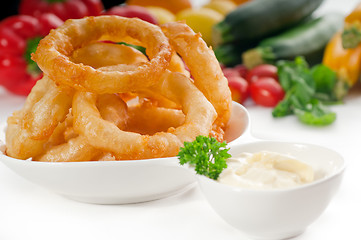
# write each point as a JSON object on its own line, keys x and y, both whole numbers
{"x": 242, "y": 70}
{"x": 239, "y": 88}
{"x": 266, "y": 92}
{"x": 264, "y": 70}
{"x": 230, "y": 72}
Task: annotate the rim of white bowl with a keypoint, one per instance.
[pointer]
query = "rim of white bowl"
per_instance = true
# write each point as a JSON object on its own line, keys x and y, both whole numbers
{"x": 95, "y": 163}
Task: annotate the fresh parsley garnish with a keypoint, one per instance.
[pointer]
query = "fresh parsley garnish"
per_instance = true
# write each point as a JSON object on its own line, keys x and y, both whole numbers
{"x": 206, "y": 155}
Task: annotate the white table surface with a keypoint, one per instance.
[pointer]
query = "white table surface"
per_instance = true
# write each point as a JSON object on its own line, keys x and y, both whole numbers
{"x": 28, "y": 211}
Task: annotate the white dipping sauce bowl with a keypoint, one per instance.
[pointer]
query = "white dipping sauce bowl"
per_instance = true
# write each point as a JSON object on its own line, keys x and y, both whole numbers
{"x": 278, "y": 213}
{"x": 118, "y": 182}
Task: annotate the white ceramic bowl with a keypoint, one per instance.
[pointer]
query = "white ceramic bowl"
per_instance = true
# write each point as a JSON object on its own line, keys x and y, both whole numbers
{"x": 278, "y": 214}
{"x": 118, "y": 182}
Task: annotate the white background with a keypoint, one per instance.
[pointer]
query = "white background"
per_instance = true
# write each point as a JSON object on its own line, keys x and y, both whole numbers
{"x": 28, "y": 211}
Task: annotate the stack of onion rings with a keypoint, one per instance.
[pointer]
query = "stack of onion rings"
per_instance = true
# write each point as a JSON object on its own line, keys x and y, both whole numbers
{"x": 99, "y": 100}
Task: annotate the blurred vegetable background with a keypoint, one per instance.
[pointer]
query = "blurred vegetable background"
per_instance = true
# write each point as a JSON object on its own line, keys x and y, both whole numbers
{"x": 19, "y": 36}
{"x": 275, "y": 53}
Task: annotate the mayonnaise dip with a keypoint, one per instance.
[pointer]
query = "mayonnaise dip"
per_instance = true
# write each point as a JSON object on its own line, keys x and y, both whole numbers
{"x": 265, "y": 170}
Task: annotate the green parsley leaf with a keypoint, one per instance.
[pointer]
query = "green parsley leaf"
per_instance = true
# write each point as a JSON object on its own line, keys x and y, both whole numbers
{"x": 306, "y": 90}
{"x": 283, "y": 108}
{"x": 315, "y": 114}
{"x": 206, "y": 155}
{"x": 325, "y": 81}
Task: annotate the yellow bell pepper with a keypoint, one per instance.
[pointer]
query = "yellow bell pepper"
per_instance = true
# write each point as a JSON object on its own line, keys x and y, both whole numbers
{"x": 345, "y": 62}
{"x": 201, "y": 21}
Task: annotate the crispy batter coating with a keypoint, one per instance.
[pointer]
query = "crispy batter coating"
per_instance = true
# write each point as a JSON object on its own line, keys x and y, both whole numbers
{"x": 204, "y": 68}
{"x": 101, "y": 101}
{"x": 54, "y": 51}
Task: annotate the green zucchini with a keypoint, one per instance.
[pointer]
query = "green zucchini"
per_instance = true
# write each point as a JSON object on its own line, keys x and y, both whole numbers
{"x": 231, "y": 54}
{"x": 257, "y": 19}
{"x": 307, "y": 39}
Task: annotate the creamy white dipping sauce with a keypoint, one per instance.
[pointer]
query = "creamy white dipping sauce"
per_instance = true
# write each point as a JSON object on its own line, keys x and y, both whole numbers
{"x": 265, "y": 170}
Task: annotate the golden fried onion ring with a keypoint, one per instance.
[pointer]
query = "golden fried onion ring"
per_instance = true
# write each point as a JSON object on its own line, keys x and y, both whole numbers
{"x": 54, "y": 51}
{"x": 76, "y": 148}
{"x": 199, "y": 117}
{"x": 30, "y": 128}
{"x": 204, "y": 67}
{"x": 94, "y": 123}
{"x": 147, "y": 118}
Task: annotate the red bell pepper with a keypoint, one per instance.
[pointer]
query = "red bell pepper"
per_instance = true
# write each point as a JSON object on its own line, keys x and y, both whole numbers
{"x": 64, "y": 9}
{"x": 19, "y": 37}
